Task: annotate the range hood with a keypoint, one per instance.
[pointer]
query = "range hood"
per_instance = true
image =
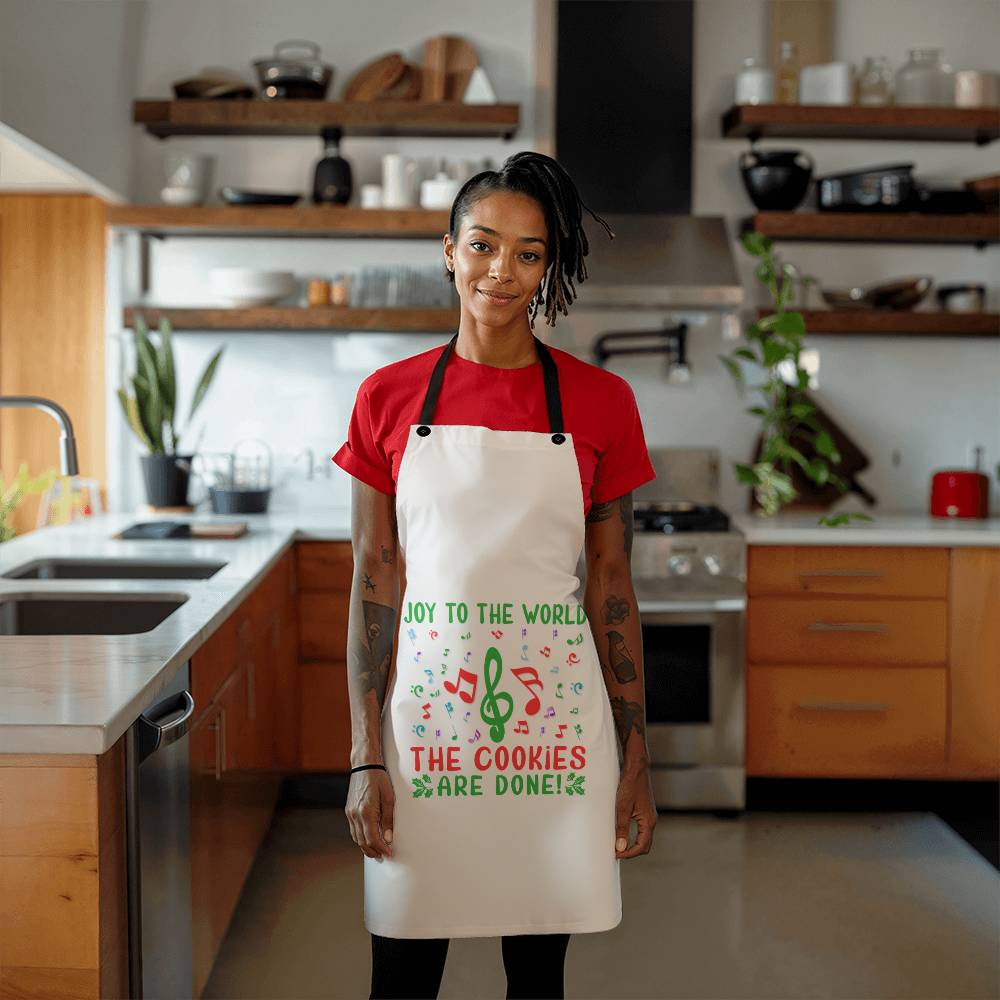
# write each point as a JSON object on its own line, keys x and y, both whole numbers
{"x": 659, "y": 261}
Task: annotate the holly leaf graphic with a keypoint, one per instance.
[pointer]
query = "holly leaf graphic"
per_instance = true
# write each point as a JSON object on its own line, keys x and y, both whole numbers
{"x": 422, "y": 786}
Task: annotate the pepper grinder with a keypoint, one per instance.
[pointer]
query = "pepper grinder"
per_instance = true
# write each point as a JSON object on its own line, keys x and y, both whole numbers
{"x": 332, "y": 181}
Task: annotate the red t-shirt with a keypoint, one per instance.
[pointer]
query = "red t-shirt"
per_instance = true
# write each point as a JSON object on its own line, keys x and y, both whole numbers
{"x": 599, "y": 410}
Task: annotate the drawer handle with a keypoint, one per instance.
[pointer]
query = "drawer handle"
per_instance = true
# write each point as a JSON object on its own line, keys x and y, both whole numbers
{"x": 843, "y": 706}
{"x": 869, "y": 573}
{"x": 848, "y": 627}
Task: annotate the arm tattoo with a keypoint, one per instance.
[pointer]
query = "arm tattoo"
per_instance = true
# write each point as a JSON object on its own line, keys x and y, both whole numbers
{"x": 620, "y": 658}
{"x": 603, "y": 511}
{"x": 615, "y": 610}
{"x": 628, "y": 715}
{"x": 380, "y": 620}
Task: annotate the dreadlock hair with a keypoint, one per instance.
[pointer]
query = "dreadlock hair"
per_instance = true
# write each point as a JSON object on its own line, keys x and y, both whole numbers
{"x": 542, "y": 178}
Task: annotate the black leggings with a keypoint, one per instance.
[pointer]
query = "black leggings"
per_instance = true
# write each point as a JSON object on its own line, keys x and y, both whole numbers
{"x": 411, "y": 968}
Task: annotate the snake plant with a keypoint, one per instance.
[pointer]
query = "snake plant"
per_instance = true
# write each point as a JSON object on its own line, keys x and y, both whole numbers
{"x": 786, "y": 414}
{"x": 151, "y": 408}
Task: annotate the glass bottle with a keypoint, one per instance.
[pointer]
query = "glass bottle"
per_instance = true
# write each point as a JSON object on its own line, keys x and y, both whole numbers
{"x": 924, "y": 79}
{"x": 787, "y": 75}
{"x": 875, "y": 82}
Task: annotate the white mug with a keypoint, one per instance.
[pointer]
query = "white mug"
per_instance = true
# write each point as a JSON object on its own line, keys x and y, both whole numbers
{"x": 371, "y": 195}
{"x": 398, "y": 176}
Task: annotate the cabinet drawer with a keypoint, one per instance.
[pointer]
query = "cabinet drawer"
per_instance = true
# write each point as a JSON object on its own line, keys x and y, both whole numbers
{"x": 323, "y": 625}
{"x": 212, "y": 664}
{"x": 844, "y": 721}
{"x": 324, "y": 565}
{"x": 876, "y": 570}
{"x": 326, "y": 717}
{"x": 823, "y": 630}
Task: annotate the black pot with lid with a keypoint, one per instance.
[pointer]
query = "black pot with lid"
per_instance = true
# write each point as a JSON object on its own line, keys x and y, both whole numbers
{"x": 294, "y": 72}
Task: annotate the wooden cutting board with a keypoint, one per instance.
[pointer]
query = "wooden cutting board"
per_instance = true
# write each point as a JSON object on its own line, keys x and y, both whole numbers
{"x": 448, "y": 64}
{"x": 376, "y": 77}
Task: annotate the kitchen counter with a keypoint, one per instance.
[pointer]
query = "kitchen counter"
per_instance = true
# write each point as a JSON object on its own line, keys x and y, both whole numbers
{"x": 886, "y": 529}
{"x": 78, "y": 694}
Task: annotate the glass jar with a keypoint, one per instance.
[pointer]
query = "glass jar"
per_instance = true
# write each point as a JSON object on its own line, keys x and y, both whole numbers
{"x": 924, "y": 79}
{"x": 875, "y": 82}
{"x": 754, "y": 83}
{"x": 786, "y": 82}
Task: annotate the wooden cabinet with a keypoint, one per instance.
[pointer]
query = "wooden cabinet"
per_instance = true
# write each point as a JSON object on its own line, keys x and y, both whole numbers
{"x": 324, "y": 571}
{"x": 239, "y": 748}
{"x": 873, "y": 661}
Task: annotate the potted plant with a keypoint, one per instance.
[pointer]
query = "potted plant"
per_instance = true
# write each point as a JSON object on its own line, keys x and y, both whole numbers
{"x": 20, "y": 487}
{"x": 789, "y": 420}
{"x": 150, "y": 412}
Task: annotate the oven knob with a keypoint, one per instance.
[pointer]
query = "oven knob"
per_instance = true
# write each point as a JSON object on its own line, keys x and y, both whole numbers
{"x": 679, "y": 565}
{"x": 713, "y": 565}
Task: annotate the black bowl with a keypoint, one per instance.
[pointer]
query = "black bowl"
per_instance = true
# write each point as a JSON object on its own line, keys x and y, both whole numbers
{"x": 777, "y": 179}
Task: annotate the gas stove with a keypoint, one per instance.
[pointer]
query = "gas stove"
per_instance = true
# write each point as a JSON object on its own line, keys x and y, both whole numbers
{"x": 671, "y": 517}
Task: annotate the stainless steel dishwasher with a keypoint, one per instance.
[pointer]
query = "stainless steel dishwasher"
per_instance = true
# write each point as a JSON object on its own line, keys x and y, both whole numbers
{"x": 158, "y": 845}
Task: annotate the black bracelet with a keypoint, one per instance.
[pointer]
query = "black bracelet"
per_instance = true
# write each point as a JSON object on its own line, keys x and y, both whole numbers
{"x": 364, "y": 767}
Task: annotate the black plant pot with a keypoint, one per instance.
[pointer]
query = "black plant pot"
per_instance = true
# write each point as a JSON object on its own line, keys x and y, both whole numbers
{"x": 166, "y": 478}
{"x": 776, "y": 179}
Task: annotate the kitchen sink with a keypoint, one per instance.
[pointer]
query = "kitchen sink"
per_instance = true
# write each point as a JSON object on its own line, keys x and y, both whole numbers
{"x": 82, "y": 614}
{"x": 113, "y": 569}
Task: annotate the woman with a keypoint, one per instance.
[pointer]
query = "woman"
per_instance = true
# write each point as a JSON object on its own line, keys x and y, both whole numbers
{"x": 488, "y": 796}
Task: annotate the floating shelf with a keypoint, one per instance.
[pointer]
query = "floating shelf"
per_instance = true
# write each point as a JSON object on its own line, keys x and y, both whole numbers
{"x": 871, "y": 227}
{"x": 397, "y": 320}
{"x": 894, "y": 122}
{"x": 273, "y": 220}
{"x": 879, "y": 322}
{"x": 259, "y": 117}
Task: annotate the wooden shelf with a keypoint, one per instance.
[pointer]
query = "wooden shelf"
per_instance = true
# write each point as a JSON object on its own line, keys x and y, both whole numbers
{"x": 821, "y": 121}
{"x": 398, "y": 320}
{"x": 259, "y": 117}
{"x": 275, "y": 220}
{"x": 879, "y": 322}
{"x": 871, "y": 227}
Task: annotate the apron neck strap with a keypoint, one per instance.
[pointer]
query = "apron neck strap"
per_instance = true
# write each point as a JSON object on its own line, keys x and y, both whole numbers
{"x": 550, "y": 375}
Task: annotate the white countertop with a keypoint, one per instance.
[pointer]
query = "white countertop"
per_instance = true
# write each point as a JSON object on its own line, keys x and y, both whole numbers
{"x": 78, "y": 694}
{"x": 886, "y": 529}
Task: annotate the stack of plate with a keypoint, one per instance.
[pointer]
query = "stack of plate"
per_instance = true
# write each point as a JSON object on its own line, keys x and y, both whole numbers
{"x": 251, "y": 286}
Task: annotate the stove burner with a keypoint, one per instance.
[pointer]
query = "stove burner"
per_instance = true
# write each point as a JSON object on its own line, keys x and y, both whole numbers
{"x": 677, "y": 516}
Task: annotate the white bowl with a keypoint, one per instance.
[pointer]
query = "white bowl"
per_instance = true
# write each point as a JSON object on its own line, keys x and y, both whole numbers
{"x": 251, "y": 286}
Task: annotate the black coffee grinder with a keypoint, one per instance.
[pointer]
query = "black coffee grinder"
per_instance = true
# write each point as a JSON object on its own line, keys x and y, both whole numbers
{"x": 332, "y": 181}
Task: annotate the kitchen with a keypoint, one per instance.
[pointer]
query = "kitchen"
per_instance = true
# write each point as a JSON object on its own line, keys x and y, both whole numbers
{"x": 755, "y": 795}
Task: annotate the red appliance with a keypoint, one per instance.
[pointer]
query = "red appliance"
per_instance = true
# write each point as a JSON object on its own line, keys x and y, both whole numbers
{"x": 960, "y": 492}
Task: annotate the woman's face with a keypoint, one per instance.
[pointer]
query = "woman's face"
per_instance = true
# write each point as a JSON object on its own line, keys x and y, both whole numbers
{"x": 502, "y": 248}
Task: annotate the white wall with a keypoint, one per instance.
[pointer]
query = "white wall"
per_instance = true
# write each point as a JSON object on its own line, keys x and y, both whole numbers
{"x": 924, "y": 401}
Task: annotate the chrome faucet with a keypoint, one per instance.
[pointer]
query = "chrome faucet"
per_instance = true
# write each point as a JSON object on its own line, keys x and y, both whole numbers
{"x": 67, "y": 442}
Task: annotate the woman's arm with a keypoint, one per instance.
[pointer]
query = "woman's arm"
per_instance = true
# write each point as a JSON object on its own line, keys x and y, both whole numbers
{"x": 371, "y": 627}
{"x": 610, "y": 604}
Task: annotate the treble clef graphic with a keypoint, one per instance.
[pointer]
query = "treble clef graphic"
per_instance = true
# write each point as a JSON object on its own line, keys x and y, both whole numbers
{"x": 489, "y": 707}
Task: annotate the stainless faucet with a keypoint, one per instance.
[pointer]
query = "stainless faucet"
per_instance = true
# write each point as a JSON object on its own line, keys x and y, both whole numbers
{"x": 67, "y": 442}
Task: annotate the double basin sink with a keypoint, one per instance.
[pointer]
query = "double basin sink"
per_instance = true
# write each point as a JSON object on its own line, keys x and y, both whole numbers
{"x": 75, "y": 613}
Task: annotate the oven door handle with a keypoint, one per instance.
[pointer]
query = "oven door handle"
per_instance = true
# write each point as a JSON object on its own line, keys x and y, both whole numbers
{"x": 667, "y": 605}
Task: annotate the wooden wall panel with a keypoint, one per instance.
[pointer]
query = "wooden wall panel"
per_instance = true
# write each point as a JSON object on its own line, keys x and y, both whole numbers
{"x": 52, "y": 258}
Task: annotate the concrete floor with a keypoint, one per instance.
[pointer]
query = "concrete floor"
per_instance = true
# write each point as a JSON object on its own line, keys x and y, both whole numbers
{"x": 766, "y": 905}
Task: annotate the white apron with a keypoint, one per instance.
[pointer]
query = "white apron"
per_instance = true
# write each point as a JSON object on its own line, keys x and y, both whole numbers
{"x": 497, "y": 730}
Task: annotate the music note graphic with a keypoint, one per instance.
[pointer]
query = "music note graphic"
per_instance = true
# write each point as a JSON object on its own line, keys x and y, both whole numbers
{"x": 549, "y": 712}
{"x": 555, "y": 632}
{"x": 437, "y": 734}
{"x": 574, "y": 711}
{"x": 524, "y": 632}
{"x": 412, "y": 633}
{"x": 445, "y": 653}
{"x": 464, "y": 677}
{"x": 543, "y": 730}
{"x": 417, "y": 689}
{"x": 435, "y": 693}
{"x": 454, "y": 733}
{"x": 572, "y": 658}
{"x": 474, "y": 739}
{"x": 559, "y": 688}
{"x": 554, "y": 670}
{"x": 430, "y": 675}
{"x": 518, "y": 729}
{"x": 528, "y": 676}
{"x": 545, "y": 651}
{"x": 489, "y": 708}
{"x": 427, "y": 710}
{"x": 576, "y": 641}
{"x": 524, "y": 652}
{"x": 579, "y": 729}
{"x": 420, "y": 729}
{"x": 449, "y": 707}
{"x": 496, "y": 633}
{"x": 468, "y": 635}
{"x": 416, "y": 659}
{"x": 562, "y": 729}
{"x": 432, "y": 634}
{"x": 444, "y": 670}
{"x": 466, "y": 716}
{"x": 467, "y": 655}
